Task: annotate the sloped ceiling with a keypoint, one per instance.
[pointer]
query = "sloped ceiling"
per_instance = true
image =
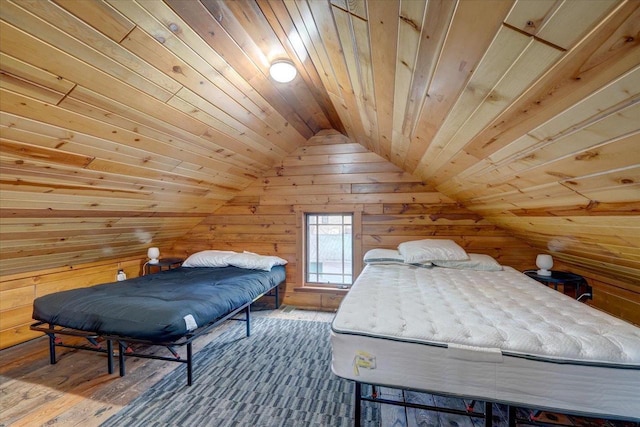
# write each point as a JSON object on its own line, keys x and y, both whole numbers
{"x": 126, "y": 122}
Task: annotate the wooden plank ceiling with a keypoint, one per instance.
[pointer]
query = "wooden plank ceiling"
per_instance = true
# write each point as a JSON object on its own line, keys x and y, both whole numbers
{"x": 124, "y": 123}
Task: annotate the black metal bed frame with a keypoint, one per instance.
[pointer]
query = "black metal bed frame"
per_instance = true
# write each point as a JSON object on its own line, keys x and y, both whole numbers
{"x": 512, "y": 418}
{"x": 124, "y": 350}
{"x": 374, "y": 397}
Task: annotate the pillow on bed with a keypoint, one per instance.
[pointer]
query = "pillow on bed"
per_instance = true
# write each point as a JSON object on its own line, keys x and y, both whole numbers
{"x": 253, "y": 261}
{"x": 388, "y": 256}
{"x": 210, "y": 258}
{"x": 383, "y": 256}
{"x": 431, "y": 250}
{"x": 477, "y": 262}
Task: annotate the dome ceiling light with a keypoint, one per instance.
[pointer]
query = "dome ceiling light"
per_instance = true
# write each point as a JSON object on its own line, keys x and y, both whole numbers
{"x": 282, "y": 71}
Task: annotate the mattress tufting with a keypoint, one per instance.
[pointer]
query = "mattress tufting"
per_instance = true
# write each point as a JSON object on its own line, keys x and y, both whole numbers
{"x": 504, "y": 310}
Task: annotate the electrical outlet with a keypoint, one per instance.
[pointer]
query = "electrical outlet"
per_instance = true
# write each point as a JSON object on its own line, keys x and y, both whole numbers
{"x": 121, "y": 276}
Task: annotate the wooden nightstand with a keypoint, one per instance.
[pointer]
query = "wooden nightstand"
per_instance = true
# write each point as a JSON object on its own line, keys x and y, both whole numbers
{"x": 163, "y": 264}
{"x": 563, "y": 278}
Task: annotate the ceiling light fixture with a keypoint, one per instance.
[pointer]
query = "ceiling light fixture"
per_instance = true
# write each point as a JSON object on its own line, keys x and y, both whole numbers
{"x": 282, "y": 71}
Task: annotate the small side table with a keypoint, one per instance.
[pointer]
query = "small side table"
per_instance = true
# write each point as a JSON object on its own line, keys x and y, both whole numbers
{"x": 163, "y": 264}
{"x": 562, "y": 278}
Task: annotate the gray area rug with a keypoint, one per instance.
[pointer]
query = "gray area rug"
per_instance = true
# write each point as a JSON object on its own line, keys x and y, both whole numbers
{"x": 280, "y": 376}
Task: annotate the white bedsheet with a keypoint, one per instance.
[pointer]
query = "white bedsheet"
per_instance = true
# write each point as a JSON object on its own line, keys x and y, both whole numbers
{"x": 493, "y": 335}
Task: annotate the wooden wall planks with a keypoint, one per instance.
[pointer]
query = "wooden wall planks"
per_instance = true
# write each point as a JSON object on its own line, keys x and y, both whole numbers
{"x": 395, "y": 207}
{"x": 18, "y": 291}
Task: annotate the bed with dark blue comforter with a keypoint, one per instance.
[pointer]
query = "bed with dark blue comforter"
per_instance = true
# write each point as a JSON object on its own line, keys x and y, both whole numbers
{"x": 158, "y": 307}
{"x": 170, "y": 308}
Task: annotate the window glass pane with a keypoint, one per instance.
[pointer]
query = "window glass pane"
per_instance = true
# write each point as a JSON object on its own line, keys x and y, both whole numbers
{"x": 333, "y": 279}
{"x": 312, "y": 249}
{"x": 348, "y": 246}
{"x": 329, "y": 248}
{"x": 334, "y": 219}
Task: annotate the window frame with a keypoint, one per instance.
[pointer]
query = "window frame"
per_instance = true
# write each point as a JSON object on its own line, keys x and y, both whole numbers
{"x": 301, "y": 242}
{"x": 307, "y": 243}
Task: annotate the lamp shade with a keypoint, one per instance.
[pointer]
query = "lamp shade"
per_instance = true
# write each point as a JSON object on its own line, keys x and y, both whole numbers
{"x": 282, "y": 71}
{"x": 544, "y": 263}
{"x": 153, "y": 254}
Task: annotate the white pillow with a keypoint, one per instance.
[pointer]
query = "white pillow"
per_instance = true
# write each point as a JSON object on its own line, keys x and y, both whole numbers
{"x": 253, "y": 261}
{"x": 383, "y": 256}
{"x": 431, "y": 250}
{"x": 477, "y": 262}
{"x": 390, "y": 256}
{"x": 210, "y": 258}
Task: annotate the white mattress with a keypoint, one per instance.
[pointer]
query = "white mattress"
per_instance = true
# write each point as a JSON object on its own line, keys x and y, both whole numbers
{"x": 499, "y": 336}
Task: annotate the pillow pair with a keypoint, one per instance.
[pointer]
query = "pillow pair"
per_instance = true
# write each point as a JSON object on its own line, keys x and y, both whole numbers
{"x": 423, "y": 251}
{"x": 427, "y": 252}
{"x": 446, "y": 253}
{"x": 389, "y": 256}
{"x": 248, "y": 260}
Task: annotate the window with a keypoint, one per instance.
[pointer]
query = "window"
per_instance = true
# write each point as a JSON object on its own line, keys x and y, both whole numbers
{"x": 329, "y": 249}
{"x": 328, "y": 246}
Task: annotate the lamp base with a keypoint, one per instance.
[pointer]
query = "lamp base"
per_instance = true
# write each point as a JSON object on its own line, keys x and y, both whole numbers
{"x": 153, "y": 261}
{"x": 544, "y": 272}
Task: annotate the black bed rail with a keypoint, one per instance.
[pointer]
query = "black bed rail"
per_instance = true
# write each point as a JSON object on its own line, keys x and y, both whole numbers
{"x": 124, "y": 350}
{"x": 511, "y": 409}
{"x": 52, "y": 330}
{"x": 374, "y": 397}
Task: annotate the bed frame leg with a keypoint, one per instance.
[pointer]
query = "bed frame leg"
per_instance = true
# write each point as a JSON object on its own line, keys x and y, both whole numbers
{"x": 488, "y": 414}
{"x": 52, "y": 346}
{"x": 189, "y": 365}
{"x": 277, "y": 297}
{"x": 358, "y": 403}
{"x": 511, "y": 417}
{"x": 110, "y": 356}
{"x": 121, "y": 350}
{"x": 248, "y": 318}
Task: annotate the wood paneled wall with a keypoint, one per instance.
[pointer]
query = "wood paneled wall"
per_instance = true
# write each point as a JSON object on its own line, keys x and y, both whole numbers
{"x": 331, "y": 170}
{"x": 611, "y": 293}
{"x": 18, "y": 291}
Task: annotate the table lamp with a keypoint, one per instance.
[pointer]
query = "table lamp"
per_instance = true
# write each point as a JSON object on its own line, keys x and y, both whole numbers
{"x": 153, "y": 254}
{"x": 544, "y": 263}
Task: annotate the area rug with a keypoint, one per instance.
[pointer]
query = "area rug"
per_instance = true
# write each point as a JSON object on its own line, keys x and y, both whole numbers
{"x": 280, "y": 376}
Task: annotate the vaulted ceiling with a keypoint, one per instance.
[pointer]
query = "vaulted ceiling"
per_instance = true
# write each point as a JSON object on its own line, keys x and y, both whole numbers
{"x": 129, "y": 121}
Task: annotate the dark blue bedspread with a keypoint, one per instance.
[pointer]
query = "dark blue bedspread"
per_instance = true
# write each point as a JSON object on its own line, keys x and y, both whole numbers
{"x": 157, "y": 307}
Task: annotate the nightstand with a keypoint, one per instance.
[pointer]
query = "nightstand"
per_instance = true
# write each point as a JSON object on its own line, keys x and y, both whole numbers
{"x": 563, "y": 278}
{"x": 163, "y": 264}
